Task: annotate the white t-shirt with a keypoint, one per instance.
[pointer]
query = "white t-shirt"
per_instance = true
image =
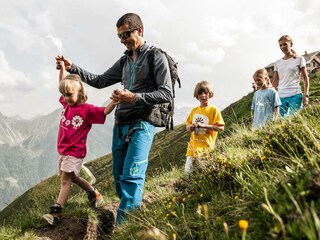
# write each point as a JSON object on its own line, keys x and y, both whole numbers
{"x": 289, "y": 75}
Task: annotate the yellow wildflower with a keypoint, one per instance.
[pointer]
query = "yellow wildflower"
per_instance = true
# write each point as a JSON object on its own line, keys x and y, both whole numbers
{"x": 243, "y": 224}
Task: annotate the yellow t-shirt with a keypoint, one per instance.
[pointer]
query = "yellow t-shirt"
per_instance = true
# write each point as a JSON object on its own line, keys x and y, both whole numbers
{"x": 209, "y": 115}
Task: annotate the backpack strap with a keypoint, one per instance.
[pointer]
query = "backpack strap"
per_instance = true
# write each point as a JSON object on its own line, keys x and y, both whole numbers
{"x": 151, "y": 57}
{"x": 172, "y": 67}
{"x": 123, "y": 60}
{"x": 151, "y": 61}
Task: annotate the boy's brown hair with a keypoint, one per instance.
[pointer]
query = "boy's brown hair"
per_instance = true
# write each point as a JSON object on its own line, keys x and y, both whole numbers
{"x": 203, "y": 86}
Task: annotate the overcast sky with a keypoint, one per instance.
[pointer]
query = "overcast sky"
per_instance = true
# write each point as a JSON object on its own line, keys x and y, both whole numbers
{"x": 223, "y": 42}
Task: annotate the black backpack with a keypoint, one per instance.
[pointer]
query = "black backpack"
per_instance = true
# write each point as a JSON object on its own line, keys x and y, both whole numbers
{"x": 162, "y": 114}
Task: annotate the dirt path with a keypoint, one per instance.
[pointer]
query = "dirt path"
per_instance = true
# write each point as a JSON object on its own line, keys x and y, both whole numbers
{"x": 75, "y": 228}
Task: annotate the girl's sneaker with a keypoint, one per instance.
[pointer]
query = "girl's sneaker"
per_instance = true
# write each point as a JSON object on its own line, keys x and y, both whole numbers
{"x": 95, "y": 198}
{"x": 54, "y": 216}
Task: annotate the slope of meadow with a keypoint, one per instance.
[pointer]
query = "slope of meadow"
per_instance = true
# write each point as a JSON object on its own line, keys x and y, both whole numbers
{"x": 270, "y": 178}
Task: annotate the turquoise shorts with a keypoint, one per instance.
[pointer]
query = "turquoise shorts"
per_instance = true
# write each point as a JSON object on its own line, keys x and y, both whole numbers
{"x": 290, "y": 105}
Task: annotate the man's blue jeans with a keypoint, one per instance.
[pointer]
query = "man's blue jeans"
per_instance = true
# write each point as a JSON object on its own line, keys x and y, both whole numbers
{"x": 130, "y": 162}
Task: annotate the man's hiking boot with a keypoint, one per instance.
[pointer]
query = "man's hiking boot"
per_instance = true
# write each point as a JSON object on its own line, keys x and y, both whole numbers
{"x": 95, "y": 198}
{"x": 54, "y": 216}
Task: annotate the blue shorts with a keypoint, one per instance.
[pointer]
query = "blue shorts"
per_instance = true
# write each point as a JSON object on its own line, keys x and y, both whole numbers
{"x": 290, "y": 105}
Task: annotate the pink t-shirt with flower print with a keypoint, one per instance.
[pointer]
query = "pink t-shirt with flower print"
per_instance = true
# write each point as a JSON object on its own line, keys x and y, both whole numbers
{"x": 75, "y": 124}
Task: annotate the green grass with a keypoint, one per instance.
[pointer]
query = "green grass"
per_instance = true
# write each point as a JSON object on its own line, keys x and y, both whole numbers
{"x": 269, "y": 177}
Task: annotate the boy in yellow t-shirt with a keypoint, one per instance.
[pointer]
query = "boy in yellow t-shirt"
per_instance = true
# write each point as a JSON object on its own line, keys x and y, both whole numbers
{"x": 204, "y": 122}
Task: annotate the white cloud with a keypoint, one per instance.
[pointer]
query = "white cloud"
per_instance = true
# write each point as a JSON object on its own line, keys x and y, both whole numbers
{"x": 11, "y": 79}
{"x": 56, "y": 42}
{"x": 223, "y": 42}
{"x": 195, "y": 52}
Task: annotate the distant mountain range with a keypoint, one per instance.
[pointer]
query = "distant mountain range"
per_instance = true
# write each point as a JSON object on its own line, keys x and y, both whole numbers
{"x": 28, "y": 149}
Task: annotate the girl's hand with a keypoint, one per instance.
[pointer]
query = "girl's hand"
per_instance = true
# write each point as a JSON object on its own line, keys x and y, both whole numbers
{"x": 60, "y": 65}
{"x": 305, "y": 100}
{"x": 67, "y": 62}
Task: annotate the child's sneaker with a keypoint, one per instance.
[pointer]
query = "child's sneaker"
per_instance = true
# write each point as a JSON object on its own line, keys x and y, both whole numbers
{"x": 95, "y": 198}
{"x": 54, "y": 216}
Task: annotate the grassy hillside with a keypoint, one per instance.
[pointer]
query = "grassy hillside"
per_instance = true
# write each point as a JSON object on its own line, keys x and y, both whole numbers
{"x": 270, "y": 178}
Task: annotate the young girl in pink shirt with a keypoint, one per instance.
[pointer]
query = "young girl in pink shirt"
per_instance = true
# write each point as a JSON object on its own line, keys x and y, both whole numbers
{"x": 76, "y": 121}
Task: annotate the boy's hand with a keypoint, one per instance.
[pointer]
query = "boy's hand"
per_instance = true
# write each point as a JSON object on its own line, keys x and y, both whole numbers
{"x": 200, "y": 125}
{"x": 193, "y": 127}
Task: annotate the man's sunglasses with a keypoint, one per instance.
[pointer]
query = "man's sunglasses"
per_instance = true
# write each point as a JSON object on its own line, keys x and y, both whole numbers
{"x": 126, "y": 34}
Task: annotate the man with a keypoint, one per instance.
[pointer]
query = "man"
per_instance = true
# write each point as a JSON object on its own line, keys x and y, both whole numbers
{"x": 132, "y": 133}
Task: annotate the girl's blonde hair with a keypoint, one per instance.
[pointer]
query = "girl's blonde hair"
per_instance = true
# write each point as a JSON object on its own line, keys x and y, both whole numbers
{"x": 288, "y": 39}
{"x": 203, "y": 86}
{"x": 72, "y": 82}
{"x": 262, "y": 73}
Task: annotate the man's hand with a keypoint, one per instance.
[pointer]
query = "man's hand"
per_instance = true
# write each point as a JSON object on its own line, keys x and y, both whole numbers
{"x": 61, "y": 58}
{"x": 123, "y": 96}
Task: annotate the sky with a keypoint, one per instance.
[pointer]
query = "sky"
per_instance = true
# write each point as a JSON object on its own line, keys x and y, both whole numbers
{"x": 223, "y": 42}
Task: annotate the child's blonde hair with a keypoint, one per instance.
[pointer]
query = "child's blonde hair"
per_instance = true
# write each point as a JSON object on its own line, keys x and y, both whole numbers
{"x": 203, "y": 86}
{"x": 288, "y": 39}
{"x": 262, "y": 73}
{"x": 72, "y": 82}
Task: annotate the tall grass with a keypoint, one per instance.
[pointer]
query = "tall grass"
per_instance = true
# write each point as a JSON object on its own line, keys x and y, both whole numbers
{"x": 269, "y": 177}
